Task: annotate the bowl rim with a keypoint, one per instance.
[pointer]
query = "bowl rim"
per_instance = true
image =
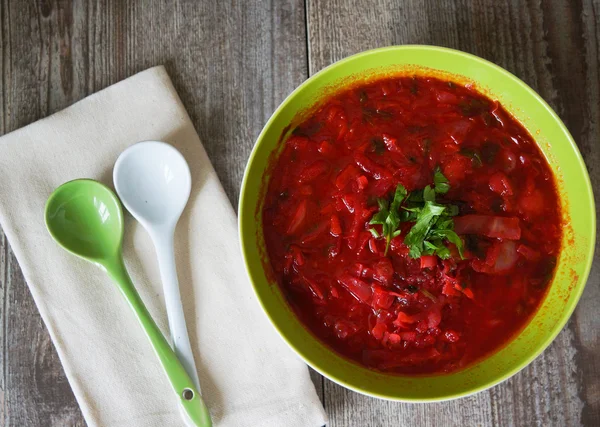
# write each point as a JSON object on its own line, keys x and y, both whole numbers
{"x": 587, "y": 193}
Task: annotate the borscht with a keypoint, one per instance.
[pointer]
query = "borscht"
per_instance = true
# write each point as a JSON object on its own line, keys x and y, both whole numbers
{"x": 412, "y": 224}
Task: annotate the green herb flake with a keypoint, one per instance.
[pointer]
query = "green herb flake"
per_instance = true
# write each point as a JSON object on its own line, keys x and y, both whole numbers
{"x": 473, "y": 155}
{"x": 428, "y": 194}
{"x": 399, "y": 196}
{"x": 452, "y": 237}
{"x": 440, "y": 182}
{"x": 389, "y": 216}
{"x": 452, "y": 210}
{"x": 428, "y": 295}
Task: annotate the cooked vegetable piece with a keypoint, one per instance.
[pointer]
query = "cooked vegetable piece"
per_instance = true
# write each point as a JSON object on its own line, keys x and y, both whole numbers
{"x": 388, "y": 218}
{"x": 491, "y": 226}
{"x": 298, "y": 218}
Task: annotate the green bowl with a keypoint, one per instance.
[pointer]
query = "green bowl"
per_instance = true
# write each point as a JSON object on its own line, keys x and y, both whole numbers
{"x": 576, "y": 199}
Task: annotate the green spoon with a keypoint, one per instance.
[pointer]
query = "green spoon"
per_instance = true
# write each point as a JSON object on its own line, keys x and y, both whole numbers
{"x": 86, "y": 219}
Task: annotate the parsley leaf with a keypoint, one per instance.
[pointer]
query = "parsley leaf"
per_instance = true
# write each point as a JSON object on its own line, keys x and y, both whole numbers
{"x": 380, "y": 217}
{"x": 452, "y": 210}
{"x": 428, "y": 194}
{"x": 452, "y": 237}
{"x": 436, "y": 247}
{"x": 440, "y": 182}
{"x": 399, "y": 196}
{"x": 419, "y": 231}
{"x": 389, "y": 216}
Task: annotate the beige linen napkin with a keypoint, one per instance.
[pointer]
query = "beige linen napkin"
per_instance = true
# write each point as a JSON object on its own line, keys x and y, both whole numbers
{"x": 248, "y": 375}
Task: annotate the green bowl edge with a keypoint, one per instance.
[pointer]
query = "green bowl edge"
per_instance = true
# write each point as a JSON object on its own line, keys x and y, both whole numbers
{"x": 294, "y": 332}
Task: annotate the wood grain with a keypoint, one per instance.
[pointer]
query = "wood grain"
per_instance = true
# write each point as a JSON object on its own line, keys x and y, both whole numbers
{"x": 553, "y": 46}
{"x": 231, "y": 62}
{"x": 34, "y": 391}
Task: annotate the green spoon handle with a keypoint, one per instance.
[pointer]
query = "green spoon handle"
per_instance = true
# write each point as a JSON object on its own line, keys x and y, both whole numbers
{"x": 183, "y": 386}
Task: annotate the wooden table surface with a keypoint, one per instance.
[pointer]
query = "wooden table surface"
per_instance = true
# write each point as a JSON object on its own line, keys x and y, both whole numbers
{"x": 232, "y": 63}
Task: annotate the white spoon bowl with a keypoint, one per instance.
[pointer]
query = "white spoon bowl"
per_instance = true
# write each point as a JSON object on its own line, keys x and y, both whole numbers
{"x": 153, "y": 180}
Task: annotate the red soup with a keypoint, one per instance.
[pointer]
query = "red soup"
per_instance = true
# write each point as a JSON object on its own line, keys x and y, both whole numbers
{"x": 412, "y": 224}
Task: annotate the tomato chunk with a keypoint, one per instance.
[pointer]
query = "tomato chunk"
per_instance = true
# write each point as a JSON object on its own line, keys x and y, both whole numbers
{"x": 349, "y": 173}
{"x": 362, "y": 182}
{"x": 383, "y": 270}
{"x": 499, "y": 183}
{"x": 336, "y": 227}
{"x": 428, "y": 261}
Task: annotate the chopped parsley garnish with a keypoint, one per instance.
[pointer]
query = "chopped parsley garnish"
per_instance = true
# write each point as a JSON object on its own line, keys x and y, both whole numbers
{"x": 440, "y": 182}
{"x": 389, "y": 216}
{"x": 433, "y": 224}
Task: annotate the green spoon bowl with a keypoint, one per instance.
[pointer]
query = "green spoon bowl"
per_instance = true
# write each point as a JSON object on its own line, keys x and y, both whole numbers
{"x": 86, "y": 219}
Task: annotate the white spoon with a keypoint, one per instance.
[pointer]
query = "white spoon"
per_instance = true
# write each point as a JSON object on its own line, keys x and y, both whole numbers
{"x": 153, "y": 181}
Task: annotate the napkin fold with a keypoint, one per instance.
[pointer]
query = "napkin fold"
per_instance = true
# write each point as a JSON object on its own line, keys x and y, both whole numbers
{"x": 249, "y": 377}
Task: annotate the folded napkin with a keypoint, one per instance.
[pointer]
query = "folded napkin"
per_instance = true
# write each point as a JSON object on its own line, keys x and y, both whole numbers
{"x": 249, "y": 377}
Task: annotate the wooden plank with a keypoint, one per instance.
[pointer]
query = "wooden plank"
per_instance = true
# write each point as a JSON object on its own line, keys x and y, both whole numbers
{"x": 3, "y": 280}
{"x": 231, "y": 62}
{"x": 34, "y": 388}
{"x": 553, "y": 46}
{"x": 34, "y": 377}
{"x": 575, "y": 67}
{"x": 3, "y": 242}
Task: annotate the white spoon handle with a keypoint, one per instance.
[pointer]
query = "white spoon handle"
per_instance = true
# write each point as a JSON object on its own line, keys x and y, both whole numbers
{"x": 163, "y": 243}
